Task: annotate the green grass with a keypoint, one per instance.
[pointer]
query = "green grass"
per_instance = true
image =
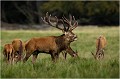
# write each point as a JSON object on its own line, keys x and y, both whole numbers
{"x": 83, "y": 67}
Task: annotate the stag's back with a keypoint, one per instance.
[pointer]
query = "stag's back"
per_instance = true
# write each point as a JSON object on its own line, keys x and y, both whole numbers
{"x": 42, "y": 44}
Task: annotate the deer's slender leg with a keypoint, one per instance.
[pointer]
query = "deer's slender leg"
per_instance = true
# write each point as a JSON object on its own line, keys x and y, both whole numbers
{"x": 53, "y": 57}
{"x": 57, "y": 56}
{"x": 8, "y": 58}
{"x": 65, "y": 55}
{"x": 34, "y": 58}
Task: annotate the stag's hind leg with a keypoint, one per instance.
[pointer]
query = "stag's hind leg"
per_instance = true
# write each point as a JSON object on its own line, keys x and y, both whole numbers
{"x": 34, "y": 57}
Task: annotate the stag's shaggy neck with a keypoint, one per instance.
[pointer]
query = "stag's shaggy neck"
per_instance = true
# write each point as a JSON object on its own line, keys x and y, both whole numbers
{"x": 61, "y": 42}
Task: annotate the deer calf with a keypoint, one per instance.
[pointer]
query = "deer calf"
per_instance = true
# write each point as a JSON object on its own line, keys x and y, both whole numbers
{"x": 19, "y": 48}
{"x": 100, "y": 45}
{"x": 8, "y": 53}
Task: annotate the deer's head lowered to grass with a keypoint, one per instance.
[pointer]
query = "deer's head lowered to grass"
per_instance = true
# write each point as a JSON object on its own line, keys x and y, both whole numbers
{"x": 100, "y": 45}
{"x": 8, "y": 53}
{"x": 19, "y": 48}
{"x": 53, "y": 45}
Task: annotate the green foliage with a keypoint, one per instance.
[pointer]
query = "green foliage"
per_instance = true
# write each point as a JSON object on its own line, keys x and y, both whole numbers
{"x": 86, "y": 12}
{"x": 83, "y": 67}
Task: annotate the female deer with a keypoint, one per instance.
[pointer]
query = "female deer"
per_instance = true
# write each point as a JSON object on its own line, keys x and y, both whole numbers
{"x": 100, "y": 45}
{"x": 8, "y": 53}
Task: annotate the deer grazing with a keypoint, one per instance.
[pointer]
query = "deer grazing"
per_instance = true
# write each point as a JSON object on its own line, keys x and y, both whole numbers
{"x": 8, "y": 53}
{"x": 100, "y": 45}
{"x": 53, "y": 45}
{"x": 19, "y": 48}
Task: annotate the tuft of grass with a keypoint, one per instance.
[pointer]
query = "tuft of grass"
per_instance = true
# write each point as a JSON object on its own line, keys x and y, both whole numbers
{"x": 83, "y": 67}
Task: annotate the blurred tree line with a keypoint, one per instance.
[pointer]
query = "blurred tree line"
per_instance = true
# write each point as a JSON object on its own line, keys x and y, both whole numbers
{"x": 86, "y": 12}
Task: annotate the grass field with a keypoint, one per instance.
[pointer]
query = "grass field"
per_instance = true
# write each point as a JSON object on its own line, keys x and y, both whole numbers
{"x": 83, "y": 67}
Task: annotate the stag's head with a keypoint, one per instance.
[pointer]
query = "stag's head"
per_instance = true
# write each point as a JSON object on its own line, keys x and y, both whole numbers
{"x": 68, "y": 26}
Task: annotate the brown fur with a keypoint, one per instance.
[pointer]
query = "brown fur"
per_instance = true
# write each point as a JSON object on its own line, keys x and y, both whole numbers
{"x": 100, "y": 45}
{"x": 8, "y": 53}
{"x": 19, "y": 48}
{"x": 52, "y": 45}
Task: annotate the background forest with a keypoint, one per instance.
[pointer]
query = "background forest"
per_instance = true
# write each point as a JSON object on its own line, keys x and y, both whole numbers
{"x": 86, "y": 12}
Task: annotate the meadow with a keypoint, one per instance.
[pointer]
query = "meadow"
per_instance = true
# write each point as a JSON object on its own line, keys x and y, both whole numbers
{"x": 83, "y": 67}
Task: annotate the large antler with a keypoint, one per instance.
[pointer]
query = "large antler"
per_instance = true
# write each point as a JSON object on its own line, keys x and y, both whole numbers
{"x": 72, "y": 24}
{"x": 46, "y": 20}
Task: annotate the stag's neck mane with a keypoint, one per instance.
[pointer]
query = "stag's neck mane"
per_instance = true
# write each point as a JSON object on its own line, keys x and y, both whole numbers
{"x": 61, "y": 42}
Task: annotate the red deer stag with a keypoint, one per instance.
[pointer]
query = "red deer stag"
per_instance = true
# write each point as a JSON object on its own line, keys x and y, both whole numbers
{"x": 19, "y": 48}
{"x": 53, "y": 45}
{"x": 8, "y": 53}
{"x": 100, "y": 45}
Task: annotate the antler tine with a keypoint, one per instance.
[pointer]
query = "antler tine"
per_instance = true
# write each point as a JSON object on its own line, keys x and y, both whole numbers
{"x": 73, "y": 18}
{"x": 74, "y": 25}
{"x": 66, "y": 20}
{"x": 43, "y": 18}
{"x": 70, "y": 19}
{"x": 46, "y": 20}
{"x": 64, "y": 25}
{"x": 57, "y": 21}
{"x": 57, "y": 24}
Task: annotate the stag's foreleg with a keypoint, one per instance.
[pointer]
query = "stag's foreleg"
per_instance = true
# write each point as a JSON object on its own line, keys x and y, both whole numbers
{"x": 71, "y": 52}
{"x": 53, "y": 57}
{"x": 64, "y": 53}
